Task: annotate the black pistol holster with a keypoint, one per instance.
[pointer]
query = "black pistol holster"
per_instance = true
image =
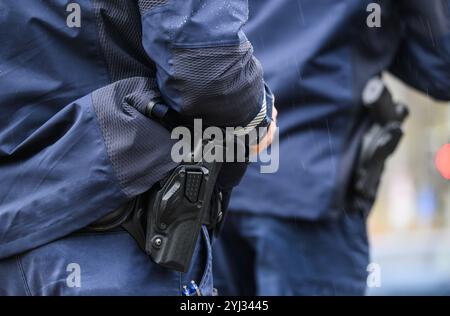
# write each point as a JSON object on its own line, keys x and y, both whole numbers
{"x": 167, "y": 220}
{"x": 177, "y": 212}
{"x": 382, "y": 137}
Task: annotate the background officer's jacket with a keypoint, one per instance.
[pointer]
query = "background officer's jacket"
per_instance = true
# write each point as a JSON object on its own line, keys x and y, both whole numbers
{"x": 74, "y": 143}
{"x": 317, "y": 57}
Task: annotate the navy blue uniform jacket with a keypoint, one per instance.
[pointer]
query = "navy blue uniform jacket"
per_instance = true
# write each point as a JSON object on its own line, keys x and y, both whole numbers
{"x": 317, "y": 57}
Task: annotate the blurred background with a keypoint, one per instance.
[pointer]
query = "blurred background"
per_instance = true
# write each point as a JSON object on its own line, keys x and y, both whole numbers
{"x": 410, "y": 223}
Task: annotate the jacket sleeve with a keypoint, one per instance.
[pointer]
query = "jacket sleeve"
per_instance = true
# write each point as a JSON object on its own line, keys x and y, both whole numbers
{"x": 205, "y": 64}
{"x": 423, "y": 60}
{"x": 62, "y": 172}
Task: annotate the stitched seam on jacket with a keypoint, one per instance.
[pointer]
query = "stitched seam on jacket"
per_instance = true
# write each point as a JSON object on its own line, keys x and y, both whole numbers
{"x": 105, "y": 147}
{"x": 100, "y": 50}
{"x": 22, "y": 274}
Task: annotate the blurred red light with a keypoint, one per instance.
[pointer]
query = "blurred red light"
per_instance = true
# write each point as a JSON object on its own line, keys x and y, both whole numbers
{"x": 443, "y": 161}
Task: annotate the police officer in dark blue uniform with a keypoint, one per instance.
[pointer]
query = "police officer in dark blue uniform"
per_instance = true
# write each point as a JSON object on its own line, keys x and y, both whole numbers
{"x": 77, "y": 143}
{"x": 302, "y": 230}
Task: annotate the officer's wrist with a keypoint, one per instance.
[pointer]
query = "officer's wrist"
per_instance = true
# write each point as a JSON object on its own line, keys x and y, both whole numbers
{"x": 263, "y": 119}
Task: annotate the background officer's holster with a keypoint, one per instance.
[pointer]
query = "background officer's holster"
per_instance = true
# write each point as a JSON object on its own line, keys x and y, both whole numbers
{"x": 383, "y": 134}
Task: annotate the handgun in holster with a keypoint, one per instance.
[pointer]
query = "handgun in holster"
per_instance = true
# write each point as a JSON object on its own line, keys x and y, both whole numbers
{"x": 176, "y": 212}
{"x": 382, "y": 137}
{"x": 166, "y": 221}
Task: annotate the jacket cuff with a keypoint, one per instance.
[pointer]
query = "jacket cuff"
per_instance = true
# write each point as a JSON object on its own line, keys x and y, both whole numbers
{"x": 264, "y": 117}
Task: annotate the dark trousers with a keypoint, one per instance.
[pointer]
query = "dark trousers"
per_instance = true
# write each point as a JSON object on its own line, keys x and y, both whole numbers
{"x": 264, "y": 255}
{"x": 107, "y": 263}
